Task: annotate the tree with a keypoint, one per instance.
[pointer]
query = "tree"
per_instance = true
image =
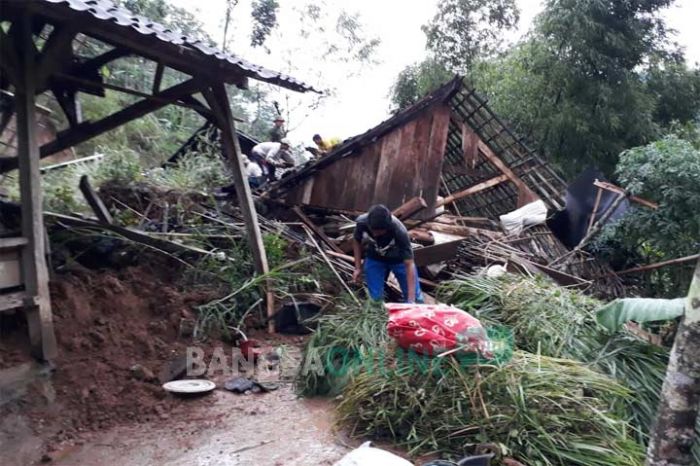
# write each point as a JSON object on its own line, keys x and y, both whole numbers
{"x": 417, "y": 80}
{"x": 464, "y": 30}
{"x": 264, "y": 20}
{"x": 667, "y": 172}
{"x": 674, "y": 431}
{"x": 592, "y": 79}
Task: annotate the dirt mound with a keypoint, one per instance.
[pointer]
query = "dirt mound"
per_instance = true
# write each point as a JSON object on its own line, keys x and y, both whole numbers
{"x": 116, "y": 330}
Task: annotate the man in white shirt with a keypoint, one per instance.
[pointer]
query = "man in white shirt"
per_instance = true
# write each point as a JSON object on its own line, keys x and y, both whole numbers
{"x": 271, "y": 155}
{"x": 253, "y": 172}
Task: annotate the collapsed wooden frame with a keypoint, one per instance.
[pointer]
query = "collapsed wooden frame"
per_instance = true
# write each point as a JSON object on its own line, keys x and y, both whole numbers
{"x": 37, "y": 56}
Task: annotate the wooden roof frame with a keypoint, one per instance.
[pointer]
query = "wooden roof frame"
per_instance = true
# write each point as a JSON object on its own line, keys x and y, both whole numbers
{"x": 487, "y": 169}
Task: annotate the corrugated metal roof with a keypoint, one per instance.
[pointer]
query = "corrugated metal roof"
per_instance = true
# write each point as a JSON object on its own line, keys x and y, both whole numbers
{"x": 105, "y": 10}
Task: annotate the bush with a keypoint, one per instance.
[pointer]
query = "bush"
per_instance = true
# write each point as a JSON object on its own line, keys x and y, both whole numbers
{"x": 667, "y": 172}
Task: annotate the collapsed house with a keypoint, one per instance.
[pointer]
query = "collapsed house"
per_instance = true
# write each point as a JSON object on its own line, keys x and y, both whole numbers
{"x": 466, "y": 166}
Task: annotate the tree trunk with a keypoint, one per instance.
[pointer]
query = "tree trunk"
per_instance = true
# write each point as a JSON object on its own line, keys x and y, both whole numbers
{"x": 673, "y": 434}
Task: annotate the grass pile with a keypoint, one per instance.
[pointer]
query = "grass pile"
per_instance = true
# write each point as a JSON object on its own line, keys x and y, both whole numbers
{"x": 558, "y": 322}
{"x": 342, "y": 340}
{"x": 539, "y": 410}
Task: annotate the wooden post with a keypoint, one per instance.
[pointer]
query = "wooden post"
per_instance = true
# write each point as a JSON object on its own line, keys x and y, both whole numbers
{"x": 219, "y": 103}
{"x": 34, "y": 271}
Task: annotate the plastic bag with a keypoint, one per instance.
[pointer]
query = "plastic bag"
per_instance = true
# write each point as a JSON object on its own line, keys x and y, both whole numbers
{"x": 435, "y": 328}
{"x": 365, "y": 455}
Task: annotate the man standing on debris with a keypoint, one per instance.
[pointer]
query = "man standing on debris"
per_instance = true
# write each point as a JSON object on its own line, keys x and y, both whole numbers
{"x": 387, "y": 249}
{"x": 277, "y": 133}
{"x": 271, "y": 155}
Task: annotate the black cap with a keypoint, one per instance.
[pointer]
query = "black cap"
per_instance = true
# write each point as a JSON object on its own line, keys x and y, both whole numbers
{"x": 379, "y": 217}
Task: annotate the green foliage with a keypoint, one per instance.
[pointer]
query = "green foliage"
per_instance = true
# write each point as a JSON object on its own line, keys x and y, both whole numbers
{"x": 416, "y": 81}
{"x": 666, "y": 171}
{"x": 61, "y": 186}
{"x": 463, "y": 31}
{"x": 191, "y": 172}
{"x": 536, "y": 409}
{"x": 614, "y": 315}
{"x": 343, "y": 338}
{"x": 264, "y": 16}
{"x": 676, "y": 89}
{"x": 558, "y": 322}
{"x": 591, "y": 79}
{"x": 121, "y": 168}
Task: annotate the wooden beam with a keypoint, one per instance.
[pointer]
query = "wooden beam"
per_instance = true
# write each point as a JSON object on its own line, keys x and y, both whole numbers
{"x": 132, "y": 234}
{"x": 463, "y": 231}
{"x": 19, "y": 299}
{"x": 99, "y": 61}
{"x": 410, "y": 208}
{"x": 66, "y": 98}
{"x": 96, "y": 204}
{"x": 100, "y": 86}
{"x": 87, "y": 131}
{"x": 436, "y": 253}
{"x": 473, "y": 190}
{"x": 158, "y": 78}
{"x": 13, "y": 243}
{"x": 219, "y": 103}
{"x": 35, "y": 273}
{"x": 8, "y": 57}
{"x": 658, "y": 265}
{"x": 313, "y": 227}
{"x": 594, "y": 212}
{"x": 470, "y": 146}
{"x": 526, "y": 195}
{"x": 616, "y": 189}
{"x": 57, "y": 51}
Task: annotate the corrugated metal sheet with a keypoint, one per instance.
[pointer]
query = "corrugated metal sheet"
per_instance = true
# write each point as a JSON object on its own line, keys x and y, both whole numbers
{"x": 107, "y": 11}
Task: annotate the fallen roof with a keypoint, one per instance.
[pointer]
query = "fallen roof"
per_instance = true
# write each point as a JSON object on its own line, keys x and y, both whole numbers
{"x": 118, "y": 26}
{"x": 470, "y": 108}
{"x": 351, "y": 145}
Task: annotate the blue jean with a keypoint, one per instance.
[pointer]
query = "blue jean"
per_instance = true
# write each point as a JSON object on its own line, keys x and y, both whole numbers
{"x": 376, "y": 272}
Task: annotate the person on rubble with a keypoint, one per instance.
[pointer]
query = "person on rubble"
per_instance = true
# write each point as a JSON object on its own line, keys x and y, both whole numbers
{"x": 325, "y": 145}
{"x": 253, "y": 172}
{"x": 277, "y": 133}
{"x": 387, "y": 248}
{"x": 272, "y": 155}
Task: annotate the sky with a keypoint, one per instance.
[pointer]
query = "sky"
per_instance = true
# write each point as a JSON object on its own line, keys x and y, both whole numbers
{"x": 362, "y": 101}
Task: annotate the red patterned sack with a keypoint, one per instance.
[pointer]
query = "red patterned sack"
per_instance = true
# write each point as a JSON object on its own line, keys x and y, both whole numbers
{"x": 434, "y": 328}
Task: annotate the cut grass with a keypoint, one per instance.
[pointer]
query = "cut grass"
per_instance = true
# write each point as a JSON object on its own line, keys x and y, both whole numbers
{"x": 542, "y": 411}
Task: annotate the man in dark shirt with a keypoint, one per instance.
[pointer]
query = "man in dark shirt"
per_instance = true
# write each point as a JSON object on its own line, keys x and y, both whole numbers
{"x": 387, "y": 249}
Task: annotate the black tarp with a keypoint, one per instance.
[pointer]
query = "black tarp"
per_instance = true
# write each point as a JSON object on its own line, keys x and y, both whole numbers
{"x": 571, "y": 224}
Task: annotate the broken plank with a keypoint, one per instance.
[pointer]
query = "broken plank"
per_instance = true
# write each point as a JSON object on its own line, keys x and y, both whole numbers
{"x": 94, "y": 201}
{"x": 490, "y": 183}
{"x": 422, "y": 236}
{"x": 324, "y": 238}
{"x": 616, "y": 189}
{"x": 130, "y": 234}
{"x": 437, "y": 253}
{"x": 410, "y": 208}
{"x": 657, "y": 265}
{"x": 459, "y": 230}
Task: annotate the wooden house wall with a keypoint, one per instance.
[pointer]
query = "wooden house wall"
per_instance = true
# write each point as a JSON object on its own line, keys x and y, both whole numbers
{"x": 404, "y": 163}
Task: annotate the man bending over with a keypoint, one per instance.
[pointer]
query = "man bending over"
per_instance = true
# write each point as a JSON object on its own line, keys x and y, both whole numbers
{"x": 387, "y": 248}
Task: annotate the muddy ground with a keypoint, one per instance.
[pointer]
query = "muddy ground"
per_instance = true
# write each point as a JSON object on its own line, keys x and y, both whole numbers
{"x": 104, "y": 402}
